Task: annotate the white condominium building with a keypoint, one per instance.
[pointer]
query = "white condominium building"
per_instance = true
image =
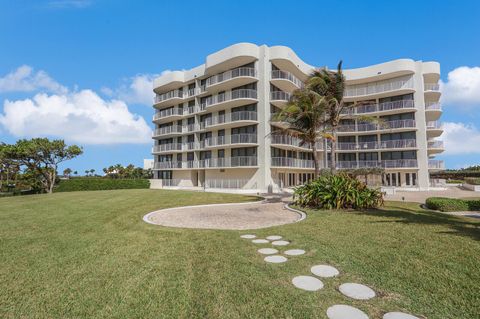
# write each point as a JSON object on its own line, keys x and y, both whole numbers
{"x": 213, "y": 125}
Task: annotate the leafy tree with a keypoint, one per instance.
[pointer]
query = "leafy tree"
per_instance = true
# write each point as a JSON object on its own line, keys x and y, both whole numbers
{"x": 92, "y": 171}
{"x": 87, "y": 172}
{"x": 305, "y": 117}
{"x": 41, "y": 157}
{"x": 67, "y": 172}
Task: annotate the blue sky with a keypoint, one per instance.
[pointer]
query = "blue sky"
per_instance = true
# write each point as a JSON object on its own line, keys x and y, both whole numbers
{"x": 81, "y": 70}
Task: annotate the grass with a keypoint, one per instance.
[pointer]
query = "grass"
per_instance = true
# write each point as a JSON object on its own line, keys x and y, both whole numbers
{"x": 89, "y": 255}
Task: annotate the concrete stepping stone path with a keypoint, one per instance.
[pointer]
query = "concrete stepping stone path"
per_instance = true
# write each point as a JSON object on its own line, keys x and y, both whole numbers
{"x": 398, "y": 315}
{"x": 357, "y": 291}
{"x": 307, "y": 283}
{"x": 248, "y": 236}
{"x": 267, "y": 251}
{"x": 276, "y": 259}
{"x": 260, "y": 241}
{"x": 294, "y": 252}
{"x": 280, "y": 243}
{"x": 345, "y": 312}
{"x": 274, "y": 237}
{"x": 324, "y": 271}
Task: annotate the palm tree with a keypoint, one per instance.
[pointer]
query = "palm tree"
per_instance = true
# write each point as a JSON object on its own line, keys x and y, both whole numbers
{"x": 304, "y": 116}
{"x": 87, "y": 172}
{"x": 92, "y": 171}
{"x": 67, "y": 172}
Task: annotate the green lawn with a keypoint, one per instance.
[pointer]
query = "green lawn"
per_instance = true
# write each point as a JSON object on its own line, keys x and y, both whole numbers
{"x": 90, "y": 255}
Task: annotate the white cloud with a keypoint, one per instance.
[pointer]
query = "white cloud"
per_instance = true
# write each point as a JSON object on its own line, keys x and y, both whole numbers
{"x": 462, "y": 89}
{"x": 24, "y": 79}
{"x": 80, "y": 117}
{"x": 65, "y": 4}
{"x": 460, "y": 138}
{"x": 136, "y": 90}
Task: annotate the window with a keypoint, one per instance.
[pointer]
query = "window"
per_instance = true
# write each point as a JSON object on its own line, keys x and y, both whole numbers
{"x": 346, "y": 139}
{"x": 398, "y": 136}
{"x": 367, "y": 138}
{"x": 165, "y": 175}
{"x": 407, "y": 179}
{"x": 244, "y": 151}
{"x": 221, "y": 153}
{"x": 371, "y": 156}
{"x": 190, "y": 156}
{"x": 221, "y": 133}
{"x": 251, "y": 129}
{"x": 179, "y": 157}
{"x": 347, "y": 157}
{"x": 250, "y": 108}
{"x": 396, "y": 117}
{"x": 414, "y": 179}
{"x": 205, "y": 155}
{"x": 396, "y": 98}
{"x": 399, "y": 155}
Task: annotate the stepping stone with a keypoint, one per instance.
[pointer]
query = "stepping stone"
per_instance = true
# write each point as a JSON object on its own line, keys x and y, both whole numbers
{"x": 276, "y": 259}
{"x": 398, "y": 315}
{"x": 307, "y": 283}
{"x": 294, "y": 252}
{"x": 357, "y": 291}
{"x": 280, "y": 243}
{"x": 324, "y": 271}
{"x": 260, "y": 241}
{"x": 267, "y": 251}
{"x": 248, "y": 236}
{"x": 345, "y": 312}
{"x": 275, "y": 237}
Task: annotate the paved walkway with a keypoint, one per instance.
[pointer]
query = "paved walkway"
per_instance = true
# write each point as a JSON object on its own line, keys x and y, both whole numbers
{"x": 270, "y": 212}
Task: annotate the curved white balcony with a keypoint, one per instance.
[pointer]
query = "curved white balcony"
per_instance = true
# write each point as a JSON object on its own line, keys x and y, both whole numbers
{"x": 223, "y": 141}
{"x": 171, "y": 97}
{"x": 168, "y": 130}
{"x": 393, "y": 144}
{"x": 403, "y": 86}
{"x": 384, "y": 108}
{"x": 436, "y": 165}
{"x": 292, "y": 162}
{"x": 290, "y": 142}
{"x": 434, "y": 129}
{"x": 369, "y": 127}
{"x": 166, "y": 148}
{"x": 231, "y": 78}
{"x": 432, "y": 91}
{"x": 433, "y": 111}
{"x": 285, "y": 80}
{"x": 168, "y": 115}
{"x": 407, "y": 163}
{"x": 434, "y": 147}
{"x": 232, "y": 119}
{"x": 279, "y": 98}
{"x": 230, "y": 99}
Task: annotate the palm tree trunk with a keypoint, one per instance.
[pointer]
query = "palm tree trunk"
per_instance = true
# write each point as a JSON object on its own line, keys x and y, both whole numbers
{"x": 315, "y": 158}
{"x": 333, "y": 151}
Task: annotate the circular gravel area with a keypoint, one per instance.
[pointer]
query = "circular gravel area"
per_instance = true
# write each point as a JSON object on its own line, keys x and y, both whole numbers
{"x": 267, "y": 251}
{"x": 357, "y": 291}
{"x": 307, "y": 283}
{"x": 260, "y": 241}
{"x": 225, "y": 216}
{"x": 248, "y": 236}
{"x": 345, "y": 312}
{"x": 324, "y": 271}
{"x": 294, "y": 252}
{"x": 276, "y": 259}
{"x": 398, "y": 315}
{"x": 280, "y": 243}
{"x": 274, "y": 237}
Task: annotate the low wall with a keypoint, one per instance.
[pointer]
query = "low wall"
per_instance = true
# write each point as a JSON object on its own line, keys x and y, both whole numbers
{"x": 475, "y": 188}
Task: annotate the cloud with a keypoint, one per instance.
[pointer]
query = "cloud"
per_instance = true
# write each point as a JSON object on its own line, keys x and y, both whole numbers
{"x": 66, "y": 4}
{"x": 460, "y": 138}
{"x": 136, "y": 90}
{"x": 80, "y": 117}
{"x": 24, "y": 79}
{"x": 462, "y": 88}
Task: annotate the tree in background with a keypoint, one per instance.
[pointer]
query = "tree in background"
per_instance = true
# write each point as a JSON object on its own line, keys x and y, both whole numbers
{"x": 92, "y": 171}
{"x": 129, "y": 171}
{"x": 87, "y": 172}
{"x": 67, "y": 172}
{"x": 41, "y": 157}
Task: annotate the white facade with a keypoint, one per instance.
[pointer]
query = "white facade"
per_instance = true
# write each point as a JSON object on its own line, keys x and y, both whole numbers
{"x": 213, "y": 128}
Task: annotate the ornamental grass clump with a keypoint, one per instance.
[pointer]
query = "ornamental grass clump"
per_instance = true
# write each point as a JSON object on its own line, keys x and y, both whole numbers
{"x": 337, "y": 191}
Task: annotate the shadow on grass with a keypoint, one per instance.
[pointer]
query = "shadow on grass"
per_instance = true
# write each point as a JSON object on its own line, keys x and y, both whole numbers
{"x": 399, "y": 214}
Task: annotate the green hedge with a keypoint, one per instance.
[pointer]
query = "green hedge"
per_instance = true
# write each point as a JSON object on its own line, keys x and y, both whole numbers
{"x": 472, "y": 181}
{"x": 95, "y": 184}
{"x": 452, "y": 204}
{"x": 455, "y": 174}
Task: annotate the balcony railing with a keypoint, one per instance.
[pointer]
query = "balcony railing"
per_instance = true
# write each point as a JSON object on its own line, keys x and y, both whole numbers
{"x": 228, "y": 96}
{"x": 432, "y": 87}
{"x": 169, "y": 95}
{"x": 436, "y": 164}
{"x": 231, "y": 117}
{"x": 407, "y": 163}
{"x": 231, "y": 139}
{"x": 290, "y": 140}
{"x": 381, "y": 107}
{"x": 285, "y": 75}
{"x": 433, "y": 107}
{"x": 363, "y": 127}
{"x": 230, "y": 74}
{"x": 431, "y": 125}
{"x": 226, "y": 183}
{"x": 168, "y": 112}
{"x": 168, "y": 130}
{"x": 280, "y": 96}
{"x": 240, "y": 161}
{"x": 378, "y": 87}
{"x": 292, "y": 162}
{"x": 435, "y": 144}
{"x": 167, "y": 147}
{"x": 410, "y": 143}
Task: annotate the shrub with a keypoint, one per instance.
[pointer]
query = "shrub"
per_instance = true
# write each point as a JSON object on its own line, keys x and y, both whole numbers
{"x": 452, "y": 204}
{"x": 472, "y": 181}
{"x": 93, "y": 184}
{"x": 337, "y": 192}
{"x": 454, "y": 181}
